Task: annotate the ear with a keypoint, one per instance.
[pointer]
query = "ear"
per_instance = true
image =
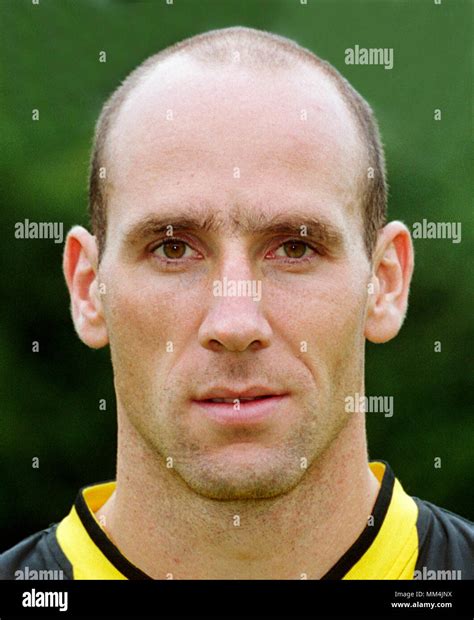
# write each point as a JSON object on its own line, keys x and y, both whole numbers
{"x": 81, "y": 272}
{"x": 392, "y": 269}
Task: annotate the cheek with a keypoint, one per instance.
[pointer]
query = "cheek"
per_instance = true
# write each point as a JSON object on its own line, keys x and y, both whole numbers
{"x": 142, "y": 321}
{"x": 326, "y": 315}
{"x": 341, "y": 336}
{"x": 144, "y": 318}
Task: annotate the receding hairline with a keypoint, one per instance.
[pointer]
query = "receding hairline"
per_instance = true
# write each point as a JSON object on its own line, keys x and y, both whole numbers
{"x": 256, "y": 50}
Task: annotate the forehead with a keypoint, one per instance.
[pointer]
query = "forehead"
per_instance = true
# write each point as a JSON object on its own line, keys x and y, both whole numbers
{"x": 226, "y": 135}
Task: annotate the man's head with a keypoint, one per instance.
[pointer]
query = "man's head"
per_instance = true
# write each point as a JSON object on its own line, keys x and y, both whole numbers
{"x": 237, "y": 159}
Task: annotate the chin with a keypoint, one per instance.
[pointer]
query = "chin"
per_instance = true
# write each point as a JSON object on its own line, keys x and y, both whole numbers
{"x": 226, "y": 481}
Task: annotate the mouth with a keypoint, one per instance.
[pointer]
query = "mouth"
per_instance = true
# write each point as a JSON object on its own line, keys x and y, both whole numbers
{"x": 238, "y": 410}
{"x": 240, "y": 399}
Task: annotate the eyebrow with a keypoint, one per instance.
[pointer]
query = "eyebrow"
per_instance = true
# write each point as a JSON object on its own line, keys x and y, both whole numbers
{"x": 290, "y": 223}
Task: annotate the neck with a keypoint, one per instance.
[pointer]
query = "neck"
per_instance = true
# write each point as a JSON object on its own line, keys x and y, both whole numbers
{"x": 169, "y": 531}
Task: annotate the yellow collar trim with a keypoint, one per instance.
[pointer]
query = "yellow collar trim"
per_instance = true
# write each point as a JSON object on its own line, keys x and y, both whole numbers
{"x": 87, "y": 561}
{"x": 393, "y": 553}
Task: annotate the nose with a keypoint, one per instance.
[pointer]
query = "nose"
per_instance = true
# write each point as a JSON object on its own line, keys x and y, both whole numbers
{"x": 235, "y": 320}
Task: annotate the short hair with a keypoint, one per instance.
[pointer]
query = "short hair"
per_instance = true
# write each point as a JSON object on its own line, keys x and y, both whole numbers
{"x": 257, "y": 49}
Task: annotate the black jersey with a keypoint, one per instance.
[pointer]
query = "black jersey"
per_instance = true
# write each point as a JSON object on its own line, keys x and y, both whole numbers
{"x": 405, "y": 538}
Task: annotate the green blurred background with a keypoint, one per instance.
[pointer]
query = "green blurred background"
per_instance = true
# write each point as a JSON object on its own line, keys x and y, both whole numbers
{"x": 50, "y": 61}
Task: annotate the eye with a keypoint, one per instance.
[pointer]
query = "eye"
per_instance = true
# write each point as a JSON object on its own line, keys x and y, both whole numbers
{"x": 294, "y": 249}
{"x": 172, "y": 249}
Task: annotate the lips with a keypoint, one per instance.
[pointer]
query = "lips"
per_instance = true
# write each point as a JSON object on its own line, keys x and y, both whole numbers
{"x": 224, "y": 394}
{"x": 239, "y": 398}
{"x": 250, "y": 410}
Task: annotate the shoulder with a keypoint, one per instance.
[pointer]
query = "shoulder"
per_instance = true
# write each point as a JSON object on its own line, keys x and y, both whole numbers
{"x": 37, "y": 557}
{"x": 445, "y": 543}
